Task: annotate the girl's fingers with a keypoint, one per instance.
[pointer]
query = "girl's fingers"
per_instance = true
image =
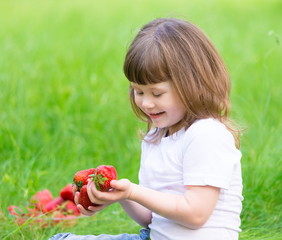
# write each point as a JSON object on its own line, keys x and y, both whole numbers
{"x": 121, "y": 185}
{"x": 96, "y": 196}
{"x": 92, "y": 209}
{"x": 91, "y": 191}
{"x": 76, "y": 197}
{"x": 74, "y": 189}
{"x": 96, "y": 208}
{"x": 84, "y": 211}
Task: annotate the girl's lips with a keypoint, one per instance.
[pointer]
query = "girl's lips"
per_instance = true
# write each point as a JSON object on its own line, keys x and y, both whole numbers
{"x": 155, "y": 115}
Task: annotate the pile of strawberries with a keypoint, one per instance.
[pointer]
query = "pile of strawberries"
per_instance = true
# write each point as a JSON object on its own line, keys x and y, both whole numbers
{"x": 46, "y": 210}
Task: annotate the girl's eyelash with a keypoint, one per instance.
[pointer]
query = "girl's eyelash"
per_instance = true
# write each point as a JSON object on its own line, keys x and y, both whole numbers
{"x": 154, "y": 94}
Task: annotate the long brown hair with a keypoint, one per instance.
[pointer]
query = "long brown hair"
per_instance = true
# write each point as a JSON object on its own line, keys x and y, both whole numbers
{"x": 178, "y": 51}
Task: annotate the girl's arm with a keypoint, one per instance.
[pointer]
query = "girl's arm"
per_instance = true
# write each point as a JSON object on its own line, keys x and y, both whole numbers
{"x": 137, "y": 212}
{"x": 192, "y": 209}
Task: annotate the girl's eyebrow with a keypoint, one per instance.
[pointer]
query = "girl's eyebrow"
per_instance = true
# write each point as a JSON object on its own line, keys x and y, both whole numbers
{"x": 158, "y": 88}
{"x": 132, "y": 85}
{"x": 135, "y": 87}
{"x": 151, "y": 88}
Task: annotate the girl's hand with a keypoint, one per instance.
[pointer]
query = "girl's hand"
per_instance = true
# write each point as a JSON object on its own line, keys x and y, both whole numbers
{"x": 121, "y": 190}
{"x": 91, "y": 210}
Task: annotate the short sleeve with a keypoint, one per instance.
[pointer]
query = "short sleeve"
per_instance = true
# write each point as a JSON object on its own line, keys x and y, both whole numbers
{"x": 210, "y": 157}
{"x": 142, "y": 175}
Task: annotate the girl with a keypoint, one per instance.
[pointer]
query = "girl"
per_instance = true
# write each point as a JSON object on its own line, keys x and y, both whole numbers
{"x": 190, "y": 175}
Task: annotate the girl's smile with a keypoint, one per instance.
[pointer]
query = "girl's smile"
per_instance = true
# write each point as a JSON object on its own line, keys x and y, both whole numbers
{"x": 156, "y": 115}
{"x": 160, "y": 102}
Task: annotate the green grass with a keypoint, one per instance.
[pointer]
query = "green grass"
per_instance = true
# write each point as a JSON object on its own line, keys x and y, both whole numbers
{"x": 64, "y": 100}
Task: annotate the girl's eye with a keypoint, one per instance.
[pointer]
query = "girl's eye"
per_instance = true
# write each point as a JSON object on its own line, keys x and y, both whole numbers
{"x": 138, "y": 93}
{"x": 157, "y": 94}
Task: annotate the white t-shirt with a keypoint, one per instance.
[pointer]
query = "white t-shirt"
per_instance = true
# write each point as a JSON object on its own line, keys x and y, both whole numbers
{"x": 204, "y": 154}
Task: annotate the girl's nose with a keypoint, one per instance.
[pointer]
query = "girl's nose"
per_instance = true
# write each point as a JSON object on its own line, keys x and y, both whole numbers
{"x": 147, "y": 102}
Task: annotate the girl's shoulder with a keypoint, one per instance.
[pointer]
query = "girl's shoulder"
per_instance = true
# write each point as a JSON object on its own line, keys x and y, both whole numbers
{"x": 206, "y": 124}
{"x": 208, "y": 128}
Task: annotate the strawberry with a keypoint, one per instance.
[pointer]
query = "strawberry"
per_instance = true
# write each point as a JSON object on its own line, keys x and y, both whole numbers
{"x": 15, "y": 210}
{"x": 84, "y": 199}
{"x": 66, "y": 192}
{"x": 69, "y": 220}
{"x": 102, "y": 177}
{"x": 53, "y": 205}
{"x": 26, "y": 212}
{"x": 70, "y": 208}
{"x": 41, "y": 198}
{"x": 20, "y": 220}
{"x": 33, "y": 212}
{"x": 58, "y": 216}
{"x": 81, "y": 177}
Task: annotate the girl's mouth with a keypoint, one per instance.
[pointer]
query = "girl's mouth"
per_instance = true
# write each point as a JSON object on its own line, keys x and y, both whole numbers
{"x": 156, "y": 115}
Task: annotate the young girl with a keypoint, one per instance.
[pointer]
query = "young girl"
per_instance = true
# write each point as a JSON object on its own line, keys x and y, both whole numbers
{"x": 190, "y": 175}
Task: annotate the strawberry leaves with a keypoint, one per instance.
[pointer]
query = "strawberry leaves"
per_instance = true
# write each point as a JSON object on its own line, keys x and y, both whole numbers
{"x": 99, "y": 180}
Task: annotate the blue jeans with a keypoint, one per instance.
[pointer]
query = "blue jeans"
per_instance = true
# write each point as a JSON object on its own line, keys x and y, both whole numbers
{"x": 144, "y": 235}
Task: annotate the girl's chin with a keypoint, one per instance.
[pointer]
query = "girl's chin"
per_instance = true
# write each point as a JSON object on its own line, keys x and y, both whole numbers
{"x": 159, "y": 125}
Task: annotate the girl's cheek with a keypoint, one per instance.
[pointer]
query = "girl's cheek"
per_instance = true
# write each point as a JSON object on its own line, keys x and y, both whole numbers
{"x": 137, "y": 101}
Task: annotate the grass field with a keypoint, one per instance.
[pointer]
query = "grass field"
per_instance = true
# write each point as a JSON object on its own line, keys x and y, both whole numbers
{"x": 64, "y": 100}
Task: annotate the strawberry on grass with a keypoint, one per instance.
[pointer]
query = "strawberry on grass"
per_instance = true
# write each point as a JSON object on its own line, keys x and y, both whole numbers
{"x": 41, "y": 198}
{"x": 44, "y": 210}
{"x": 65, "y": 220}
{"x": 53, "y": 205}
{"x": 26, "y": 214}
{"x": 66, "y": 192}
{"x": 15, "y": 210}
{"x": 57, "y": 216}
{"x": 70, "y": 208}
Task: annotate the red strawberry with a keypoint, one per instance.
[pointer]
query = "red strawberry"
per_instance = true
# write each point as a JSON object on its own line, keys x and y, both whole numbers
{"x": 102, "y": 177}
{"x": 20, "y": 220}
{"x": 81, "y": 177}
{"x": 70, "y": 208}
{"x": 58, "y": 216}
{"x": 15, "y": 210}
{"x": 69, "y": 220}
{"x": 53, "y": 205}
{"x": 66, "y": 192}
{"x": 84, "y": 199}
{"x": 33, "y": 212}
{"x": 25, "y": 214}
{"x": 41, "y": 198}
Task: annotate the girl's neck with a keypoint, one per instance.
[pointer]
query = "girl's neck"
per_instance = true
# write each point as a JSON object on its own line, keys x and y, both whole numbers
{"x": 171, "y": 130}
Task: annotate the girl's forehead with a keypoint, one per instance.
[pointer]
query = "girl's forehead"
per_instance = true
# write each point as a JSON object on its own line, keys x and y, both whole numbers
{"x": 161, "y": 85}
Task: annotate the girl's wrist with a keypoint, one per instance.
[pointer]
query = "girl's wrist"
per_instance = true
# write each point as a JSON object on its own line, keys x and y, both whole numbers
{"x": 132, "y": 189}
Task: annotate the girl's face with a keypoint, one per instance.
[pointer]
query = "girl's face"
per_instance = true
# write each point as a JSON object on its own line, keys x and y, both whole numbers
{"x": 160, "y": 102}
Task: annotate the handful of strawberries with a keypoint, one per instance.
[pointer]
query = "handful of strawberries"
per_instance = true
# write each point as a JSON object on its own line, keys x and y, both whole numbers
{"x": 44, "y": 207}
{"x": 101, "y": 176}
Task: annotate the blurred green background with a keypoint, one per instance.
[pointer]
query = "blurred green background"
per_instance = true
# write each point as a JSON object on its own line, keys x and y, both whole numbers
{"x": 64, "y": 100}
